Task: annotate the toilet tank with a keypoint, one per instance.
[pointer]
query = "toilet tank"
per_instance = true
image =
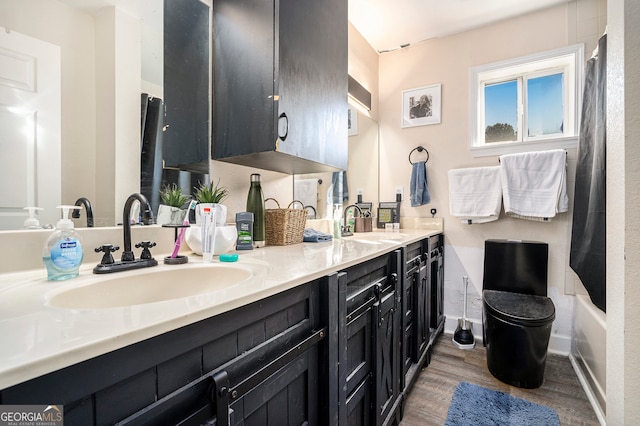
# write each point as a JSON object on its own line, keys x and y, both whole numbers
{"x": 516, "y": 266}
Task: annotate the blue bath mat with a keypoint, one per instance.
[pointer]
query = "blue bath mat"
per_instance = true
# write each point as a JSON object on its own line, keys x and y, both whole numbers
{"x": 475, "y": 405}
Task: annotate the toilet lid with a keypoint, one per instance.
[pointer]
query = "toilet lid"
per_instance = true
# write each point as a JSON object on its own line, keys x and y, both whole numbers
{"x": 518, "y": 308}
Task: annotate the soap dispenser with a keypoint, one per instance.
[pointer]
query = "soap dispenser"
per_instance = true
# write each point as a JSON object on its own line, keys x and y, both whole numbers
{"x": 32, "y": 222}
{"x": 62, "y": 254}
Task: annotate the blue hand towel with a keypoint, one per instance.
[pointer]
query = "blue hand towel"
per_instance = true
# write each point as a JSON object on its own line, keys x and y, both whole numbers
{"x": 313, "y": 236}
{"x": 419, "y": 191}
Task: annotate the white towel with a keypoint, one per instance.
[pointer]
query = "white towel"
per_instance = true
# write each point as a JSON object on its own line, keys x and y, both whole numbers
{"x": 534, "y": 184}
{"x": 475, "y": 194}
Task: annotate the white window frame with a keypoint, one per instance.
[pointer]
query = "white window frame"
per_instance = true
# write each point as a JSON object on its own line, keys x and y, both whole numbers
{"x": 568, "y": 60}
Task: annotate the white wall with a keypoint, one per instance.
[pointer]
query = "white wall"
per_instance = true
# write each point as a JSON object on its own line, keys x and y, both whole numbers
{"x": 623, "y": 204}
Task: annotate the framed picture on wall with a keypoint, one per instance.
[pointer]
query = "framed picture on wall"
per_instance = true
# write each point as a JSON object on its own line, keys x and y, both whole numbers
{"x": 421, "y": 106}
{"x": 352, "y": 119}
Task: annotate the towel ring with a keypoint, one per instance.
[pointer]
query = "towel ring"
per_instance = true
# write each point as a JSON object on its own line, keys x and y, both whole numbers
{"x": 419, "y": 149}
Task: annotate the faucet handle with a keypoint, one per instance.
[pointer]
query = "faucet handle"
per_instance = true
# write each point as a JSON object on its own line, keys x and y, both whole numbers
{"x": 107, "y": 249}
{"x": 146, "y": 245}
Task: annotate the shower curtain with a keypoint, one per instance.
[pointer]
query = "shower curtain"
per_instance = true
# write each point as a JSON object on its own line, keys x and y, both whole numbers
{"x": 588, "y": 235}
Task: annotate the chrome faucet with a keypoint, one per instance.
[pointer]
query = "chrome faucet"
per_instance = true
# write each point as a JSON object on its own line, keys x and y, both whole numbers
{"x": 82, "y": 201}
{"x": 346, "y": 229}
{"x": 128, "y": 260}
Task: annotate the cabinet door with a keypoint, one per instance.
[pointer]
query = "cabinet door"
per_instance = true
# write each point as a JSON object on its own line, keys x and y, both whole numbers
{"x": 359, "y": 368}
{"x": 386, "y": 341}
{"x": 421, "y": 317}
{"x": 244, "y": 108}
{"x": 312, "y": 81}
{"x": 408, "y": 294}
{"x": 185, "y": 140}
{"x": 436, "y": 282}
{"x": 280, "y": 84}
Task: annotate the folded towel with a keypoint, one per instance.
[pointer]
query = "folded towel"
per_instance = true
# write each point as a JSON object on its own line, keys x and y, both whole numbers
{"x": 534, "y": 184}
{"x": 313, "y": 236}
{"x": 475, "y": 194}
{"x": 418, "y": 189}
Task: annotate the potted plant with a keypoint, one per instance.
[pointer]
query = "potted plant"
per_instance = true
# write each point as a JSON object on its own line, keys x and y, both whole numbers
{"x": 170, "y": 212}
{"x": 210, "y": 195}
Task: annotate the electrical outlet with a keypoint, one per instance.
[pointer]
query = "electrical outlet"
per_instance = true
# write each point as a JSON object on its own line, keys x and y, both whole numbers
{"x": 400, "y": 190}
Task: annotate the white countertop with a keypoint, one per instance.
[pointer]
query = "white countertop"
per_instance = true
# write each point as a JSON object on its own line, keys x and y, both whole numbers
{"x": 38, "y": 338}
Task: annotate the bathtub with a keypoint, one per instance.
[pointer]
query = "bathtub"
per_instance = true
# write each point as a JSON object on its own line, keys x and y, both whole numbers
{"x": 588, "y": 352}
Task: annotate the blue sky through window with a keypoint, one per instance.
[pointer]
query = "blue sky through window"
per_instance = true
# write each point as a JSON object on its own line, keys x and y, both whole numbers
{"x": 501, "y": 105}
{"x": 544, "y": 109}
{"x": 544, "y": 105}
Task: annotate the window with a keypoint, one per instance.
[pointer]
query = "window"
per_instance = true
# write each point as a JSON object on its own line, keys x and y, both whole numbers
{"x": 527, "y": 103}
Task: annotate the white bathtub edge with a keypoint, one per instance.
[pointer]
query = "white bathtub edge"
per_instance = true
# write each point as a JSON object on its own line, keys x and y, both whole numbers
{"x": 587, "y": 390}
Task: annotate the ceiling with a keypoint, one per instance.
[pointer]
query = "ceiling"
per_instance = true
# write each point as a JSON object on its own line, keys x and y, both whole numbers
{"x": 388, "y": 25}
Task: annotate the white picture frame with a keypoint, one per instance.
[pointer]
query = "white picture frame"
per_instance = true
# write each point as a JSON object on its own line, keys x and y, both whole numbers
{"x": 422, "y": 106}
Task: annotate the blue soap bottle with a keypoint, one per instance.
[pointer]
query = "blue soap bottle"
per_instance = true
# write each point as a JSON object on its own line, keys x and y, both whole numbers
{"x": 62, "y": 254}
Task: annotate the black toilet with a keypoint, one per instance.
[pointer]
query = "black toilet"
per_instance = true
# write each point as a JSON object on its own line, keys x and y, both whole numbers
{"x": 517, "y": 314}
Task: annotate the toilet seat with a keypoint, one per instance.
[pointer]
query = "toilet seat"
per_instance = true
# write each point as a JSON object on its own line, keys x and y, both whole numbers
{"x": 520, "y": 309}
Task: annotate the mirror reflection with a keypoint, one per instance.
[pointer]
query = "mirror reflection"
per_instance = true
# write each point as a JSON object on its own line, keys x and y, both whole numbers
{"x": 81, "y": 142}
{"x": 102, "y": 75}
{"x": 325, "y": 194}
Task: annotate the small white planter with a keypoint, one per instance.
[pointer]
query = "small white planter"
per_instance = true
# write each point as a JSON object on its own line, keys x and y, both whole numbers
{"x": 220, "y": 212}
{"x": 168, "y": 215}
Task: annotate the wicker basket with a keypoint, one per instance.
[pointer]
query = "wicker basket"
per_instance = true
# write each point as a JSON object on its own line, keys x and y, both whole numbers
{"x": 284, "y": 226}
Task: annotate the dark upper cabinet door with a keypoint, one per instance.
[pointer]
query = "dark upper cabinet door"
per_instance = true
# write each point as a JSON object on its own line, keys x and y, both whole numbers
{"x": 186, "y": 92}
{"x": 280, "y": 84}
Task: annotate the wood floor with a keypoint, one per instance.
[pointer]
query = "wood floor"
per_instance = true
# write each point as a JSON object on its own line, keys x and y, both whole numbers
{"x": 428, "y": 402}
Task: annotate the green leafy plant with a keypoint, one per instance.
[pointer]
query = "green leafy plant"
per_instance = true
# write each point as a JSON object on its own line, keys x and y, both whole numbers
{"x": 172, "y": 196}
{"x": 210, "y": 193}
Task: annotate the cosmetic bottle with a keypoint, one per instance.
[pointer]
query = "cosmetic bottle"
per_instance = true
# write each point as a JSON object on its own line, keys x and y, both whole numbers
{"x": 62, "y": 253}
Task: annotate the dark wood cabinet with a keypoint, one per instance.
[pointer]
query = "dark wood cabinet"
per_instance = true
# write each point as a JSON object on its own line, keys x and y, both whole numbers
{"x": 436, "y": 283}
{"x": 254, "y": 365}
{"x": 280, "y": 84}
{"x": 185, "y": 131}
{"x": 369, "y": 363}
{"x": 422, "y": 304}
{"x": 340, "y": 350}
{"x": 416, "y": 307}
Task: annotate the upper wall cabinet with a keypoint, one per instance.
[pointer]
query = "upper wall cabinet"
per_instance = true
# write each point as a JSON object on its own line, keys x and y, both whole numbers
{"x": 280, "y": 84}
{"x": 186, "y": 87}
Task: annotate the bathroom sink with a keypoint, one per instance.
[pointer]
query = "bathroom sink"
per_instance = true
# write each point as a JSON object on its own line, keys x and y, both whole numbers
{"x": 377, "y": 237}
{"x": 151, "y": 286}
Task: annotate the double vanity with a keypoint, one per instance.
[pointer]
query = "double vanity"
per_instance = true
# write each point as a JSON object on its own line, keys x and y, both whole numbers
{"x": 325, "y": 333}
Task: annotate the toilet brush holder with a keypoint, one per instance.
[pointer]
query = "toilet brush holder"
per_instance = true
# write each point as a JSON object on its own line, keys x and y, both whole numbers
{"x": 463, "y": 336}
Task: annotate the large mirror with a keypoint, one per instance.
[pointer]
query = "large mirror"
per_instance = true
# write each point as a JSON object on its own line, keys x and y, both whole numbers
{"x": 321, "y": 193}
{"x": 107, "y": 52}
{"x": 102, "y": 74}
